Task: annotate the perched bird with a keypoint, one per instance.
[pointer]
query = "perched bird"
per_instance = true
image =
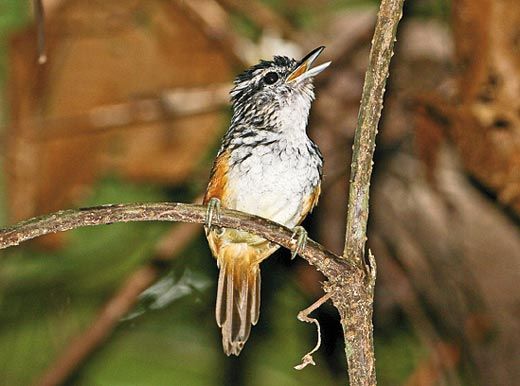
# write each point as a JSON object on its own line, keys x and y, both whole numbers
{"x": 266, "y": 166}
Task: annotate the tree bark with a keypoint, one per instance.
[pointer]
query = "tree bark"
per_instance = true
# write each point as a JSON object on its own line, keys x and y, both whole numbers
{"x": 354, "y": 300}
{"x": 327, "y": 262}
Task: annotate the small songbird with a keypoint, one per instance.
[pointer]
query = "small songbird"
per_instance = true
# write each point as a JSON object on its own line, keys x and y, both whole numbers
{"x": 266, "y": 166}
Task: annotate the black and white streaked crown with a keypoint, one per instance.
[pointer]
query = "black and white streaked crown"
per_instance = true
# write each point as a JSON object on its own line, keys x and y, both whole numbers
{"x": 275, "y": 81}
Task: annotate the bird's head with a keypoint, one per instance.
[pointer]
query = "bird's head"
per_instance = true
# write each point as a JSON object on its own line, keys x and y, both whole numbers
{"x": 271, "y": 85}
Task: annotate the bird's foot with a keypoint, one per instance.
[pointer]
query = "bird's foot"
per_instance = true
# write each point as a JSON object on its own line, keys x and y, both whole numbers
{"x": 299, "y": 239}
{"x": 213, "y": 212}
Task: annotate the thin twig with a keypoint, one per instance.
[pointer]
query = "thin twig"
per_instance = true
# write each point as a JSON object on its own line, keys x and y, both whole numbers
{"x": 39, "y": 13}
{"x": 129, "y": 115}
{"x": 303, "y": 316}
{"x": 214, "y": 22}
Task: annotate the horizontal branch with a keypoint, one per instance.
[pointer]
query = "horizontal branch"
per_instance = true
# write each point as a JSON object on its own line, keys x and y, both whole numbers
{"x": 327, "y": 262}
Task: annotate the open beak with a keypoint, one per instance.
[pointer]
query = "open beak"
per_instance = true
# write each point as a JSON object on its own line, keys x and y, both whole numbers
{"x": 303, "y": 70}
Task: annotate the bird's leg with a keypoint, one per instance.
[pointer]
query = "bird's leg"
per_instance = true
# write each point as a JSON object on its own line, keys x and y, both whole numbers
{"x": 213, "y": 212}
{"x": 299, "y": 239}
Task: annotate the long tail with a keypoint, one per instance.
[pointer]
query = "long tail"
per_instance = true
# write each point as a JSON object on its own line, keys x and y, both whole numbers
{"x": 238, "y": 301}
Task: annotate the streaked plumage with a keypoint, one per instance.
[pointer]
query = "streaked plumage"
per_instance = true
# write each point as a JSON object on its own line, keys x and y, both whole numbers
{"x": 266, "y": 166}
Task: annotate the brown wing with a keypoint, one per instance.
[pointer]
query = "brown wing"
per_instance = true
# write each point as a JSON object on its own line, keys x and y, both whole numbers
{"x": 218, "y": 178}
{"x": 218, "y": 182}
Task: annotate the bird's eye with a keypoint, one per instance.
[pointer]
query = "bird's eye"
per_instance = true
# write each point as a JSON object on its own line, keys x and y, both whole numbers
{"x": 271, "y": 78}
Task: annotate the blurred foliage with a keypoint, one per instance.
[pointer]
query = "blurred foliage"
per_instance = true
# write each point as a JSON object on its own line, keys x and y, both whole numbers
{"x": 439, "y": 9}
{"x": 13, "y": 14}
{"x": 399, "y": 344}
{"x": 61, "y": 290}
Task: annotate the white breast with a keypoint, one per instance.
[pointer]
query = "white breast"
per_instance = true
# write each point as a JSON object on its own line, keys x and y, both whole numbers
{"x": 274, "y": 182}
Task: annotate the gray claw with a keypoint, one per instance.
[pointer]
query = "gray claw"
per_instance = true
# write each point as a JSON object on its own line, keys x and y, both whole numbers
{"x": 299, "y": 238}
{"x": 213, "y": 212}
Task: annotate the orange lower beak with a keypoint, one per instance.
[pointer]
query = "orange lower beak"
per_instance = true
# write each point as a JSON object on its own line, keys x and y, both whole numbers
{"x": 304, "y": 70}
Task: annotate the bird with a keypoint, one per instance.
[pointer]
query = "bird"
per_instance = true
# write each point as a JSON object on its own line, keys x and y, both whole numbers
{"x": 266, "y": 166}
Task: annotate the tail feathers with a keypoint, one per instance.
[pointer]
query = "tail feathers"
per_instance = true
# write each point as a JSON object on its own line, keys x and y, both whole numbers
{"x": 238, "y": 302}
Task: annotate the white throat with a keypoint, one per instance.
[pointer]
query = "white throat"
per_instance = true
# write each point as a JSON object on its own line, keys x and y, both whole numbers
{"x": 292, "y": 118}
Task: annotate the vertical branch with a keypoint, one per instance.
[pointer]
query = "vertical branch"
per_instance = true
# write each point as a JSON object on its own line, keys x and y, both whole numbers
{"x": 364, "y": 140}
{"x": 354, "y": 293}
